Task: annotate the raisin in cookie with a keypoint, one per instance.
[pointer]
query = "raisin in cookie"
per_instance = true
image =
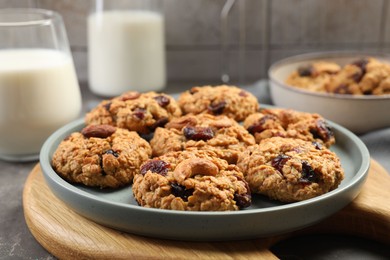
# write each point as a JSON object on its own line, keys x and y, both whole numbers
{"x": 140, "y": 112}
{"x": 191, "y": 181}
{"x": 289, "y": 170}
{"x": 101, "y": 156}
{"x": 313, "y": 77}
{"x": 220, "y": 134}
{"x": 289, "y": 123}
{"x": 219, "y": 100}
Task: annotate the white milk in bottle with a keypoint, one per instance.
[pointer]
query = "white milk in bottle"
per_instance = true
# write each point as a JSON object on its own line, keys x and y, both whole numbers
{"x": 126, "y": 51}
{"x": 39, "y": 93}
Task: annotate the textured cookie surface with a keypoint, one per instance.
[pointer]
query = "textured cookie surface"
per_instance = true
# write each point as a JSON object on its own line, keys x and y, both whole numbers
{"x": 101, "y": 156}
{"x": 363, "y": 77}
{"x": 219, "y": 134}
{"x": 289, "y": 123}
{"x": 191, "y": 181}
{"x": 135, "y": 111}
{"x": 313, "y": 77}
{"x": 226, "y": 100}
{"x": 290, "y": 170}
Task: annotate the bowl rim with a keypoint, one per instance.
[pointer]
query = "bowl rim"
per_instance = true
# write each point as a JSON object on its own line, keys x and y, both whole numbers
{"x": 325, "y": 55}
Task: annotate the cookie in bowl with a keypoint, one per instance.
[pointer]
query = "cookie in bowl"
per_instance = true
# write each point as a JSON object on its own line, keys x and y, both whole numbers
{"x": 191, "y": 181}
{"x": 101, "y": 156}
{"x": 365, "y": 76}
{"x": 289, "y": 123}
{"x": 290, "y": 170}
{"x": 361, "y": 112}
{"x": 314, "y": 76}
{"x": 140, "y": 112}
{"x": 219, "y": 134}
{"x": 230, "y": 101}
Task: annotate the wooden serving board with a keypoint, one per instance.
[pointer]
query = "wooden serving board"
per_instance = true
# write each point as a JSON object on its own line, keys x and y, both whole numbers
{"x": 67, "y": 235}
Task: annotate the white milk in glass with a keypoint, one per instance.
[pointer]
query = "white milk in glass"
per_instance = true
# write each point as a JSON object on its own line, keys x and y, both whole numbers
{"x": 126, "y": 51}
{"x": 39, "y": 93}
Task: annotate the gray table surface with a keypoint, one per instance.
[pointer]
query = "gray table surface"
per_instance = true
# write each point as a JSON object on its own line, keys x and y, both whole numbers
{"x": 16, "y": 241}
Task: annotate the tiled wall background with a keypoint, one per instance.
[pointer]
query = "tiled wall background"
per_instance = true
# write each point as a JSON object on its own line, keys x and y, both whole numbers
{"x": 263, "y": 30}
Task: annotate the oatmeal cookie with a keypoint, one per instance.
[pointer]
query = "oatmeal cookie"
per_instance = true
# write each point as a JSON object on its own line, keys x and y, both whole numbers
{"x": 361, "y": 77}
{"x": 220, "y": 134}
{"x": 191, "y": 181}
{"x": 290, "y": 170}
{"x": 383, "y": 88}
{"x": 226, "y": 100}
{"x": 101, "y": 156}
{"x": 140, "y": 112}
{"x": 289, "y": 123}
{"x": 313, "y": 77}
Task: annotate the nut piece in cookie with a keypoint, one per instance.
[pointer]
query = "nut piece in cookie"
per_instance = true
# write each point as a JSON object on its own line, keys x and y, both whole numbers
{"x": 290, "y": 170}
{"x": 219, "y": 134}
{"x": 225, "y": 100}
{"x": 191, "y": 181}
{"x": 101, "y": 156}
{"x": 140, "y": 112}
{"x": 314, "y": 76}
{"x": 289, "y": 123}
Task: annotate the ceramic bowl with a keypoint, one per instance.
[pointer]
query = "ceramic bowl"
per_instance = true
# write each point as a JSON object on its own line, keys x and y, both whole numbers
{"x": 360, "y": 114}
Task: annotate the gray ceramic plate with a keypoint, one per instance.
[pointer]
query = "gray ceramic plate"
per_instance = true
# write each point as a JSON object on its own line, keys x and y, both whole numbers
{"x": 119, "y": 210}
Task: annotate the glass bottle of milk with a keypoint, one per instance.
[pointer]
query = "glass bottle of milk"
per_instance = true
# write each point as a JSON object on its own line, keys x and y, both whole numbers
{"x": 126, "y": 47}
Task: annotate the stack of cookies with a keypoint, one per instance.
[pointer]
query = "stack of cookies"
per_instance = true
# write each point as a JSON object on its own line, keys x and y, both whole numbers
{"x": 210, "y": 150}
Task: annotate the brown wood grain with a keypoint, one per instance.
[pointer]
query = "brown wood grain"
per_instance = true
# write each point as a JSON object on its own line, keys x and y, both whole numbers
{"x": 68, "y": 235}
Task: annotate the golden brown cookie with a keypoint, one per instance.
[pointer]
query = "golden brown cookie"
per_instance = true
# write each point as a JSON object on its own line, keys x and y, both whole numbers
{"x": 219, "y": 134}
{"x": 140, "y": 112}
{"x": 101, "y": 156}
{"x": 383, "y": 88}
{"x": 226, "y": 100}
{"x": 361, "y": 77}
{"x": 313, "y": 77}
{"x": 290, "y": 170}
{"x": 289, "y": 123}
{"x": 345, "y": 82}
{"x": 191, "y": 181}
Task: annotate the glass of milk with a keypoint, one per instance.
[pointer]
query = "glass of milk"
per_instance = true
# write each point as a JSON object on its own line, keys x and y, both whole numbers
{"x": 39, "y": 90}
{"x": 126, "y": 47}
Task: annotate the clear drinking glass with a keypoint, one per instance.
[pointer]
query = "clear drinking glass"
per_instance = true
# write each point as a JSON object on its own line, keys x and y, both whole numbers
{"x": 39, "y": 90}
{"x": 126, "y": 46}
